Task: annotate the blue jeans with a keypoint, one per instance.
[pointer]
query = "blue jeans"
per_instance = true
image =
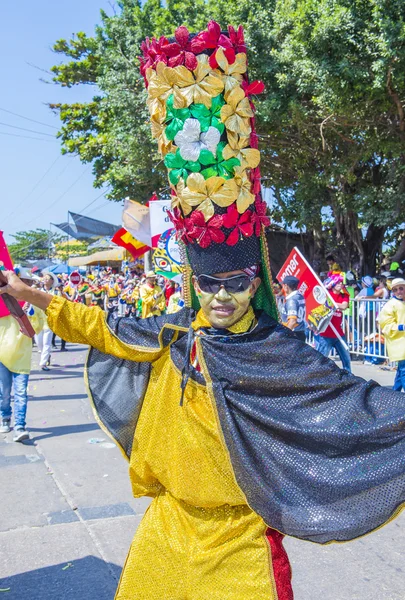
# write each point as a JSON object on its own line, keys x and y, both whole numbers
{"x": 399, "y": 382}
{"x": 20, "y": 382}
{"x": 326, "y": 345}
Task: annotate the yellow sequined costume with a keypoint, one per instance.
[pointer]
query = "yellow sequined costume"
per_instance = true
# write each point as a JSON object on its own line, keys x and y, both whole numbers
{"x": 153, "y": 300}
{"x": 198, "y": 540}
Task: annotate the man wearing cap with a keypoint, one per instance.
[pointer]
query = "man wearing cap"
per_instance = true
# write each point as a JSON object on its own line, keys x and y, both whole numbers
{"x": 238, "y": 431}
{"x": 152, "y": 297}
{"x": 15, "y": 365}
{"x": 293, "y": 311}
{"x": 333, "y": 337}
{"x": 392, "y": 323}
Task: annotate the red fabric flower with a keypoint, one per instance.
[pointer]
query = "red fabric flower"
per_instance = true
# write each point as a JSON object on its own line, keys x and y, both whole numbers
{"x": 212, "y": 38}
{"x": 254, "y": 140}
{"x": 180, "y": 52}
{"x": 153, "y": 52}
{"x": 255, "y": 179}
{"x": 254, "y": 88}
{"x": 237, "y": 38}
{"x": 182, "y": 226}
{"x": 241, "y": 224}
{"x": 259, "y": 216}
{"x": 206, "y": 232}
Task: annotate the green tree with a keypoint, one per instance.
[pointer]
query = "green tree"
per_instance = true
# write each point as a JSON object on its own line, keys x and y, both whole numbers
{"x": 35, "y": 244}
{"x": 331, "y": 123}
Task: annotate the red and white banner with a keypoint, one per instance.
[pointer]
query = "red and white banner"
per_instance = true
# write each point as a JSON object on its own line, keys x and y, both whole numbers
{"x": 320, "y": 305}
{"x": 159, "y": 220}
{"x": 147, "y": 222}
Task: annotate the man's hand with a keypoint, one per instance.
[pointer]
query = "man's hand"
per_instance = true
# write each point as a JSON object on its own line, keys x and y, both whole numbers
{"x": 15, "y": 287}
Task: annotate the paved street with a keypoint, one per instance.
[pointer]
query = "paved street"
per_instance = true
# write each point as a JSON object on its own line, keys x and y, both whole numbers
{"x": 67, "y": 516}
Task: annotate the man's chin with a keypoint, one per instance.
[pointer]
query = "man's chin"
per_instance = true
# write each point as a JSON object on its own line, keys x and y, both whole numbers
{"x": 223, "y": 321}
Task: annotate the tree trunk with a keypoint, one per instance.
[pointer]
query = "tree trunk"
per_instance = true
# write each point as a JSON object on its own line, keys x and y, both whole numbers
{"x": 372, "y": 247}
{"x": 399, "y": 255}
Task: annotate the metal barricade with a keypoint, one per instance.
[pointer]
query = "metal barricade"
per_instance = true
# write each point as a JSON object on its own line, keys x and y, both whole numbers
{"x": 362, "y": 329}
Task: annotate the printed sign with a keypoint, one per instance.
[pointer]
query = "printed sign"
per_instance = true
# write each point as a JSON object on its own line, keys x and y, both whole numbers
{"x": 159, "y": 220}
{"x": 75, "y": 278}
{"x": 320, "y": 305}
{"x": 166, "y": 258}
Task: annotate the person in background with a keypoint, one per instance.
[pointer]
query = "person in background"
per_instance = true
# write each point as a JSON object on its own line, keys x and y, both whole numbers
{"x": 59, "y": 292}
{"x": 279, "y": 295}
{"x": 152, "y": 296}
{"x": 333, "y": 266}
{"x": 381, "y": 292}
{"x": 333, "y": 337}
{"x": 176, "y": 301}
{"x": 395, "y": 269}
{"x": 392, "y": 323}
{"x": 97, "y": 293}
{"x": 113, "y": 291}
{"x": 170, "y": 289}
{"x": 15, "y": 365}
{"x": 294, "y": 311}
{"x": 43, "y": 339}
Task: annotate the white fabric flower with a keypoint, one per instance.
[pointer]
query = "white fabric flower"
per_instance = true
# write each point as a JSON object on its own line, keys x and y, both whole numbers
{"x": 191, "y": 141}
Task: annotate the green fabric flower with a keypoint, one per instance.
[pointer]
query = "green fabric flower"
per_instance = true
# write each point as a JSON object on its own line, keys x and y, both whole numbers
{"x": 217, "y": 104}
{"x": 175, "y": 118}
{"x": 180, "y": 168}
{"x": 217, "y": 166}
{"x": 202, "y": 114}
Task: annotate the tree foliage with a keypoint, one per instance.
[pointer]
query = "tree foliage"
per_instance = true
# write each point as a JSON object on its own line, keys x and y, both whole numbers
{"x": 331, "y": 123}
{"x": 35, "y": 244}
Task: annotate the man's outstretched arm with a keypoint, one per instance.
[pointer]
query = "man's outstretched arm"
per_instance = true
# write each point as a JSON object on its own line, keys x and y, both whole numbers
{"x": 78, "y": 323}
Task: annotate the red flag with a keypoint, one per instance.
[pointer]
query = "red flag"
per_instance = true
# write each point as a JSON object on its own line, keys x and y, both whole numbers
{"x": 124, "y": 239}
{"x": 5, "y": 261}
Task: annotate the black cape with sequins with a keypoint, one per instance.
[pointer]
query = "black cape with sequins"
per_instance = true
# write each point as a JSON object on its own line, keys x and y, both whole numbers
{"x": 318, "y": 452}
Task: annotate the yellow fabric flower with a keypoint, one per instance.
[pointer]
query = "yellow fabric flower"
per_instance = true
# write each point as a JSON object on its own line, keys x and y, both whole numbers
{"x": 236, "y": 113}
{"x": 245, "y": 197}
{"x": 158, "y": 131}
{"x": 238, "y": 147}
{"x": 157, "y": 109}
{"x": 198, "y": 87}
{"x": 231, "y": 73}
{"x": 161, "y": 81}
{"x": 204, "y": 193}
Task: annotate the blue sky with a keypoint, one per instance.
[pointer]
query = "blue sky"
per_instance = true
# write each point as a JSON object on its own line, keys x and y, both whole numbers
{"x": 27, "y": 32}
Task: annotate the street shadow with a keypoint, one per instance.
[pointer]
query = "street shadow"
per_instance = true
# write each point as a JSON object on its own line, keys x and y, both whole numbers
{"x": 58, "y": 397}
{"x": 48, "y": 432}
{"x": 87, "y": 578}
{"x": 53, "y": 372}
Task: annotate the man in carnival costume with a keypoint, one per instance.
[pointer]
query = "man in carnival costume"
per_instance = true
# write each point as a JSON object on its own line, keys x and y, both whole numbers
{"x": 238, "y": 431}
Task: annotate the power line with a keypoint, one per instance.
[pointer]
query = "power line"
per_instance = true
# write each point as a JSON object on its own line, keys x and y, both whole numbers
{"x": 27, "y": 137}
{"x": 25, "y": 129}
{"x": 34, "y": 188}
{"x": 58, "y": 198}
{"x": 52, "y": 235}
{"x": 10, "y": 112}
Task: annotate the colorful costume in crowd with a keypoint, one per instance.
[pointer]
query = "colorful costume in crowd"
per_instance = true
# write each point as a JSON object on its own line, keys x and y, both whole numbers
{"x": 239, "y": 435}
{"x": 152, "y": 298}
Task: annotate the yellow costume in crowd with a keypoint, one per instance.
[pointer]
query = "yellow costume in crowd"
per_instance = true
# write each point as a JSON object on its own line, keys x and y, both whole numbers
{"x": 15, "y": 347}
{"x": 153, "y": 300}
{"x": 180, "y": 460}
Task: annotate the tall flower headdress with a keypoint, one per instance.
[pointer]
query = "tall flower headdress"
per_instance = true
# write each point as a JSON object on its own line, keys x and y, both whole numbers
{"x": 202, "y": 115}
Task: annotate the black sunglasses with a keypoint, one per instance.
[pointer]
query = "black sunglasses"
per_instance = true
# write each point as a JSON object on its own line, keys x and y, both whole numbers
{"x": 233, "y": 285}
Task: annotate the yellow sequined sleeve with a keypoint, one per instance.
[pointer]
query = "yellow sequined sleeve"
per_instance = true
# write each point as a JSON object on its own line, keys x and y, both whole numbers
{"x": 82, "y": 324}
